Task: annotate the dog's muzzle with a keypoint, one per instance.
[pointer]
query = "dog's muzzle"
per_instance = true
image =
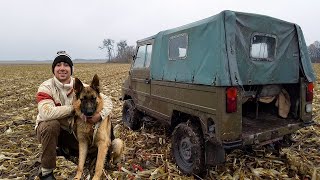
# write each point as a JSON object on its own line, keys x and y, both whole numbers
{"x": 88, "y": 107}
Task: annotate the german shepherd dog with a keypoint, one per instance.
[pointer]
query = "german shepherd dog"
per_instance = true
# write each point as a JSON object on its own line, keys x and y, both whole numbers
{"x": 86, "y": 103}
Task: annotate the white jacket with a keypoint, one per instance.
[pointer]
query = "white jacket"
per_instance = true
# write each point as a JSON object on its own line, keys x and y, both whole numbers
{"x": 55, "y": 103}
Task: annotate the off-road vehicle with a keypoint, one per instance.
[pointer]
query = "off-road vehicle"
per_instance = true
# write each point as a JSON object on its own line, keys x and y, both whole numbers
{"x": 228, "y": 81}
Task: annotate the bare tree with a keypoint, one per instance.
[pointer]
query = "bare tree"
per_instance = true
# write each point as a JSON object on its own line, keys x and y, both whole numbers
{"x": 314, "y": 51}
{"x": 108, "y": 44}
{"x": 121, "y": 47}
{"x": 125, "y": 52}
{"x": 129, "y": 52}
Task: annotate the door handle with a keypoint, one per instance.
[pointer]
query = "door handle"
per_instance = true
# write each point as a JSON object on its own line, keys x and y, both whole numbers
{"x": 147, "y": 81}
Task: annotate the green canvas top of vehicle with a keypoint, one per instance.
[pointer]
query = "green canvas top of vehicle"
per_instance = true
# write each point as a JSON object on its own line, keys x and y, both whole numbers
{"x": 230, "y": 49}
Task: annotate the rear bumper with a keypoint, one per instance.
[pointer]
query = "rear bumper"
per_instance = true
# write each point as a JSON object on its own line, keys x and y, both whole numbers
{"x": 267, "y": 137}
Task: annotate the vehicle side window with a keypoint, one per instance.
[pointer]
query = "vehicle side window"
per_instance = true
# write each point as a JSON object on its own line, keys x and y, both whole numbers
{"x": 263, "y": 47}
{"x": 148, "y": 57}
{"x": 178, "y": 46}
{"x": 140, "y": 58}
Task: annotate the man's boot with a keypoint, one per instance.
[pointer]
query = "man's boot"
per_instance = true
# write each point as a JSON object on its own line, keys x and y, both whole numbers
{"x": 49, "y": 176}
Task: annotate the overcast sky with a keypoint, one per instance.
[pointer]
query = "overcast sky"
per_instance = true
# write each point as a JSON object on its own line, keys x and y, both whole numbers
{"x": 37, "y": 29}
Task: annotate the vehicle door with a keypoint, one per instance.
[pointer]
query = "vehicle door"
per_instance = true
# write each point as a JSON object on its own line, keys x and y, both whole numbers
{"x": 140, "y": 75}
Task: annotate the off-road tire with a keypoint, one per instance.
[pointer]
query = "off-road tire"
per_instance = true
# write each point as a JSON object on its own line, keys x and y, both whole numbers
{"x": 130, "y": 115}
{"x": 187, "y": 148}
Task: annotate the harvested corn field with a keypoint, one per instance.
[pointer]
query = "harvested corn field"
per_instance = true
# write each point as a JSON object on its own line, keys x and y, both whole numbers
{"x": 148, "y": 151}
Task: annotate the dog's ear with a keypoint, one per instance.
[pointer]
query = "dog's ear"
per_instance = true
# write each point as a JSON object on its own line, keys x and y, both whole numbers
{"x": 77, "y": 86}
{"x": 95, "y": 83}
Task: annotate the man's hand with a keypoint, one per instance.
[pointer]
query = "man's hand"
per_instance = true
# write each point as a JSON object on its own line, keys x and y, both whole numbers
{"x": 94, "y": 119}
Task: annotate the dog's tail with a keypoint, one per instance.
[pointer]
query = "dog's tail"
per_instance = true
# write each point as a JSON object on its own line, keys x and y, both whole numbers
{"x": 117, "y": 148}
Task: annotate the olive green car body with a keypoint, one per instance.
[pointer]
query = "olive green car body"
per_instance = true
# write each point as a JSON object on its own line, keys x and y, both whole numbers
{"x": 174, "y": 96}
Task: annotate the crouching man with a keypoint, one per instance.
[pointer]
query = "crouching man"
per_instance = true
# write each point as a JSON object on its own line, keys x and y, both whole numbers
{"x": 54, "y": 123}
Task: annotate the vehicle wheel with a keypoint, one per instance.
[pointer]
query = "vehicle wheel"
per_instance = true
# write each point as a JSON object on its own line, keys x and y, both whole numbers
{"x": 130, "y": 115}
{"x": 187, "y": 148}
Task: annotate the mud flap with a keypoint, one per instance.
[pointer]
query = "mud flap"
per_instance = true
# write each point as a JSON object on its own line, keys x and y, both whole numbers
{"x": 214, "y": 153}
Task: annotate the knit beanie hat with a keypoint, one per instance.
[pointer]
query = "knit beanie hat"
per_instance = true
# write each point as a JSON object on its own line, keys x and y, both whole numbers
{"x": 62, "y": 56}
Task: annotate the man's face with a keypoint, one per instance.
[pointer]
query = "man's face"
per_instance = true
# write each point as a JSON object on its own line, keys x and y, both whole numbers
{"x": 62, "y": 71}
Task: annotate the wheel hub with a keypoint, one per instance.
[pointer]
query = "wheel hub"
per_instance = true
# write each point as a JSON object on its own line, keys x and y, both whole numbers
{"x": 185, "y": 148}
{"x": 128, "y": 115}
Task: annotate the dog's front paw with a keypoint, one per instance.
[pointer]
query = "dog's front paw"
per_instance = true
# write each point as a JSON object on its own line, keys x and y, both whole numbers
{"x": 96, "y": 178}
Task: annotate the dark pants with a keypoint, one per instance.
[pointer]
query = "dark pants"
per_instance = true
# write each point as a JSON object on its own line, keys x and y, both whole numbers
{"x": 50, "y": 135}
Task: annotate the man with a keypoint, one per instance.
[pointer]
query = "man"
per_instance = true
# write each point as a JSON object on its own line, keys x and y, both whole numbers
{"x": 54, "y": 124}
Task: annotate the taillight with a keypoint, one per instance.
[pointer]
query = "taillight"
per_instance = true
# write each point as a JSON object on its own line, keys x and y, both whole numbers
{"x": 309, "y": 94}
{"x": 231, "y": 99}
